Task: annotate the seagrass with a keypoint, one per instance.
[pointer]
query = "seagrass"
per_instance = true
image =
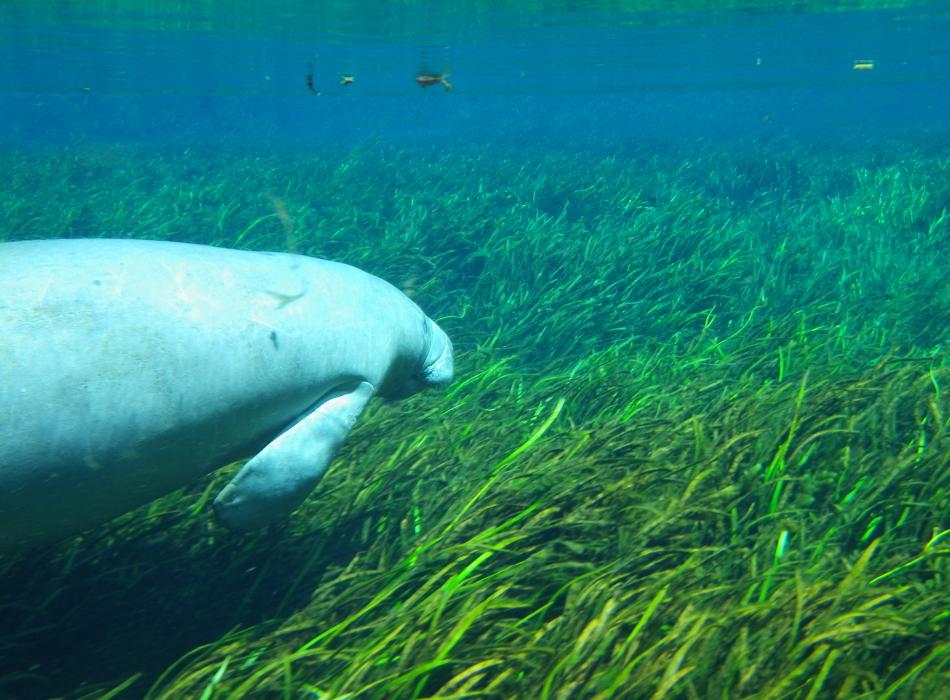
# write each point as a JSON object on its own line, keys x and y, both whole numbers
{"x": 697, "y": 446}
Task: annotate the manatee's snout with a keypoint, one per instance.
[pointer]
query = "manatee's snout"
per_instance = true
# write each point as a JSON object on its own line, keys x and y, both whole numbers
{"x": 439, "y": 366}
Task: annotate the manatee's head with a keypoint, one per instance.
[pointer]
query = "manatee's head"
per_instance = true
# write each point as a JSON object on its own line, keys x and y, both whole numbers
{"x": 430, "y": 366}
{"x": 438, "y": 367}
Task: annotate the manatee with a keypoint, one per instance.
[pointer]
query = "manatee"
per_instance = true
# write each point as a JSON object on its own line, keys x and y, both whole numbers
{"x": 129, "y": 368}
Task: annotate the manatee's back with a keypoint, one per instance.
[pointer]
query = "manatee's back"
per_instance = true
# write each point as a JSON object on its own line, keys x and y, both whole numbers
{"x": 127, "y": 368}
{"x": 87, "y": 384}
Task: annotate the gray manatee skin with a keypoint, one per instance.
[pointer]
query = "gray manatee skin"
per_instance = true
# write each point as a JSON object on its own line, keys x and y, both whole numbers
{"x": 129, "y": 368}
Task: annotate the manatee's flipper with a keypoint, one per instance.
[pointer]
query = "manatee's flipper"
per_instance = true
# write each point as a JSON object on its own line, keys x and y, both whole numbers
{"x": 280, "y": 476}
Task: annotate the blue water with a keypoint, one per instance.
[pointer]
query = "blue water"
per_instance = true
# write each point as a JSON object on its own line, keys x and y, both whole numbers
{"x": 555, "y": 76}
{"x": 210, "y": 75}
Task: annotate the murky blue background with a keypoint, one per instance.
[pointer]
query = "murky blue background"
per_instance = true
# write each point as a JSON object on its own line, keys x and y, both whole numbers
{"x": 235, "y": 72}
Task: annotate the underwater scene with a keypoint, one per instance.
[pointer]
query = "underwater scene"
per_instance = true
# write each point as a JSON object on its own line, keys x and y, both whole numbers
{"x": 655, "y": 403}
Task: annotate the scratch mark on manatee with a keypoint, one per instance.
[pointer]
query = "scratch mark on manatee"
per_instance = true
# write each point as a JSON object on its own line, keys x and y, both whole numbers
{"x": 178, "y": 277}
{"x": 49, "y": 282}
{"x": 284, "y": 299}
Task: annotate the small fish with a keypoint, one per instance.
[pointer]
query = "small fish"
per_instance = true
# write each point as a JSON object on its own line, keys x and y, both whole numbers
{"x": 427, "y": 79}
{"x": 864, "y": 64}
{"x": 347, "y": 80}
{"x": 310, "y": 79}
